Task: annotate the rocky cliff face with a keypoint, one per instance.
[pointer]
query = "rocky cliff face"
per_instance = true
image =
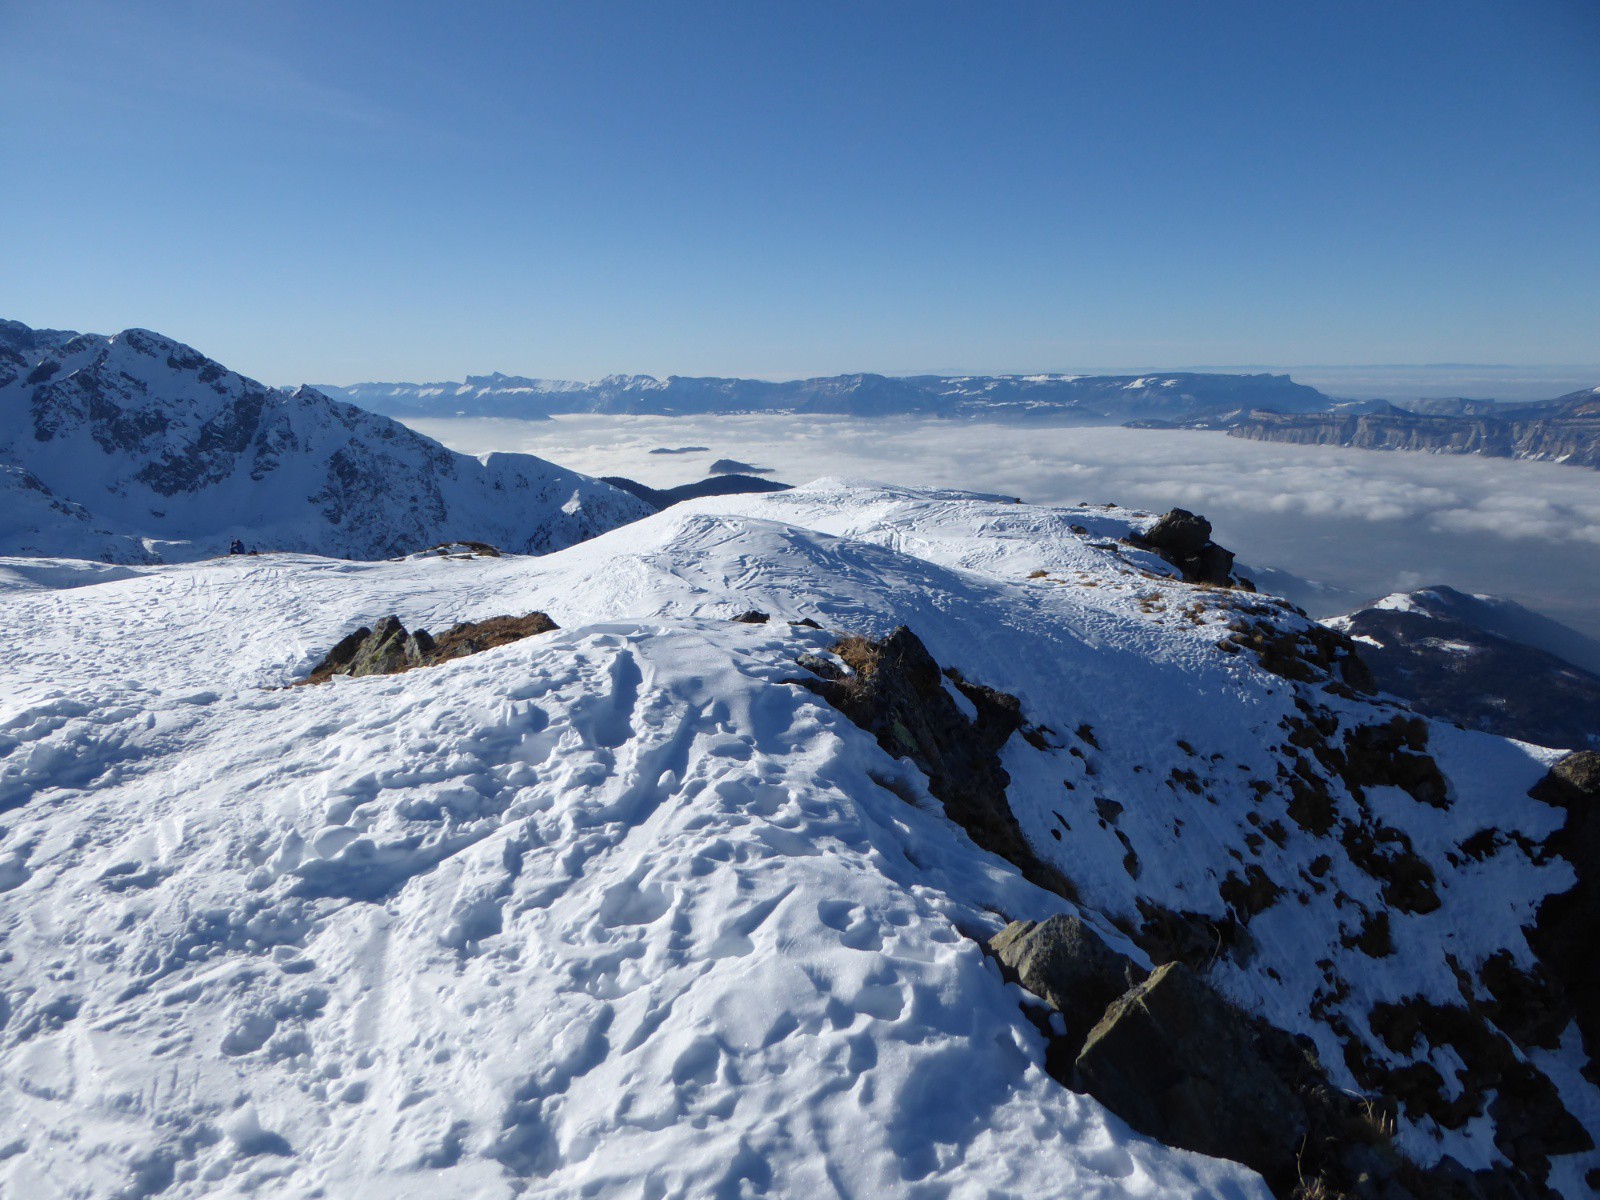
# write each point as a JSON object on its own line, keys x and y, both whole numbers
{"x": 1566, "y": 430}
{"x": 138, "y": 448}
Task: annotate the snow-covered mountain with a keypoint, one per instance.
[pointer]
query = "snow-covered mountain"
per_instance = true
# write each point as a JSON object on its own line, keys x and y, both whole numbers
{"x": 1090, "y": 398}
{"x": 649, "y": 906}
{"x": 135, "y": 448}
{"x": 1483, "y": 661}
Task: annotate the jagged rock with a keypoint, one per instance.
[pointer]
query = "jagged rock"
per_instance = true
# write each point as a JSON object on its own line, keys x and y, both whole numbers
{"x": 1180, "y": 1063}
{"x": 1066, "y": 963}
{"x": 389, "y": 649}
{"x": 896, "y": 692}
{"x": 1177, "y": 1062}
{"x": 753, "y": 617}
{"x": 1566, "y": 931}
{"x": 1184, "y": 539}
{"x": 1311, "y": 653}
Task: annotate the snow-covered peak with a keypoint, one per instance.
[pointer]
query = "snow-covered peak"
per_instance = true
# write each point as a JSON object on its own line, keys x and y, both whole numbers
{"x": 157, "y": 450}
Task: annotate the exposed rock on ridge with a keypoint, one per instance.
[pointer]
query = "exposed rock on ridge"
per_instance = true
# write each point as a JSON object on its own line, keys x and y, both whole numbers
{"x": 389, "y": 649}
{"x": 1184, "y": 540}
{"x": 896, "y": 692}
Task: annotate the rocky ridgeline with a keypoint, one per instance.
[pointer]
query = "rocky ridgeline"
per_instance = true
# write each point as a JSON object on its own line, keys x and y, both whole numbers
{"x": 1149, "y": 1029}
{"x": 1171, "y": 1055}
{"x": 1184, "y": 540}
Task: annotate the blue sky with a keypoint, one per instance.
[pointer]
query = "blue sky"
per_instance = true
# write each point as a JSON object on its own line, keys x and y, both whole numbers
{"x": 406, "y": 190}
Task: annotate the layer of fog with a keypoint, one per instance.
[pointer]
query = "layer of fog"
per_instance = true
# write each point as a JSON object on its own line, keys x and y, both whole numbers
{"x": 1365, "y": 522}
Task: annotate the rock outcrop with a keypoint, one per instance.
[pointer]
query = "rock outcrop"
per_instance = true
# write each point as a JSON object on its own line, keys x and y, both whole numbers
{"x": 388, "y": 648}
{"x": 1179, "y": 1062}
{"x": 1064, "y": 962}
{"x": 1184, "y": 539}
{"x": 896, "y": 692}
{"x": 1566, "y": 933}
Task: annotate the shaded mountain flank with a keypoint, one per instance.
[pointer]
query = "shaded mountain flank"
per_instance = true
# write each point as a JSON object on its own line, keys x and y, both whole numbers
{"x": 716, "y": 485}
{"x": 1458, "y": 657}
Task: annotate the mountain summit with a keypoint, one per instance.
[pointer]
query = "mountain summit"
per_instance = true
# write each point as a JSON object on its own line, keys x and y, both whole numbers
{"x": 137, "y": 448}
{"x": 842, "y": 841}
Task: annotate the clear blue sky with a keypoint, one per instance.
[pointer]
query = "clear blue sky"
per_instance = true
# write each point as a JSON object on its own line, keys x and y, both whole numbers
{"x": 334, "y": 192}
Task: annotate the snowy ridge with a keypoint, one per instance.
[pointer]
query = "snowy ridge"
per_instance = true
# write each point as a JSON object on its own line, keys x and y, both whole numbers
{"x": 135, "y": 448}
{"x": 621, "y": 910}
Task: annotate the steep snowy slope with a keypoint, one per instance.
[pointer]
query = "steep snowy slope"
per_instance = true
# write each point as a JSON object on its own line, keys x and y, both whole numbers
{"x": 624, "y": 910}
{"x": 135, "y": 448}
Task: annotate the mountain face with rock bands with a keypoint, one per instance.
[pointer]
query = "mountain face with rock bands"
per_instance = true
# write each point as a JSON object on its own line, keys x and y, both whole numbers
{"x": 848, "y": 840}
{"x": 1089, "y": 398}
{"x": 1565, "y": 430}
{"x": 136, "y": 448}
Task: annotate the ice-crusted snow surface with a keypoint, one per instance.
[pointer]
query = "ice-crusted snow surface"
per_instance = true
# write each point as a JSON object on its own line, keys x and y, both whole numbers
{"x": 136, "y": 448}
{"x": 620, "y": 909}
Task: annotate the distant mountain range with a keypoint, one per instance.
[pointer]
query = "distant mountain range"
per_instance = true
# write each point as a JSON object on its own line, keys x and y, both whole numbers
{"x": 1261, "y": 407}
{"x": 137, "y": 448}
{"x": 1095, "y": 399}
{"x": 1565, "y": 430}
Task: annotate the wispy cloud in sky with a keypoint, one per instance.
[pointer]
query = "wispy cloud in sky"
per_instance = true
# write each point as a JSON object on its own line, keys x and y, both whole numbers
{"x": 159, "y": 54}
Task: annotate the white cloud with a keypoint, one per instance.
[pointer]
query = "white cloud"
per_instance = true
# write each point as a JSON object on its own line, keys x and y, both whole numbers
{"x": 1372, "y": 522}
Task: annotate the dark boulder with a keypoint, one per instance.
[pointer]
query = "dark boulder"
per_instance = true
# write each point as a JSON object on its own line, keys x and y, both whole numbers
{"x": 1184, "y": 539}
{"x": 1178, "y": 1062}
{"x": 1065, "y": 963}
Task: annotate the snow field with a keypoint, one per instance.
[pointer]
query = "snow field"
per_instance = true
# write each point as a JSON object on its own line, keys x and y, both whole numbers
{"x": 621, "y": 910}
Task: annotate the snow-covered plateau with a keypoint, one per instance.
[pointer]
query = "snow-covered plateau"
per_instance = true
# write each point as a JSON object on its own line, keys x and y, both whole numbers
{"x": 631, "y": 909}
{"x": 137, "y": 448}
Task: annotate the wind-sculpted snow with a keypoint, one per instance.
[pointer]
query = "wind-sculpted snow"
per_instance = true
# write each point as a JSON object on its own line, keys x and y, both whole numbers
{"x": 135, "y": 448}
{"x": 622, "y": 909}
